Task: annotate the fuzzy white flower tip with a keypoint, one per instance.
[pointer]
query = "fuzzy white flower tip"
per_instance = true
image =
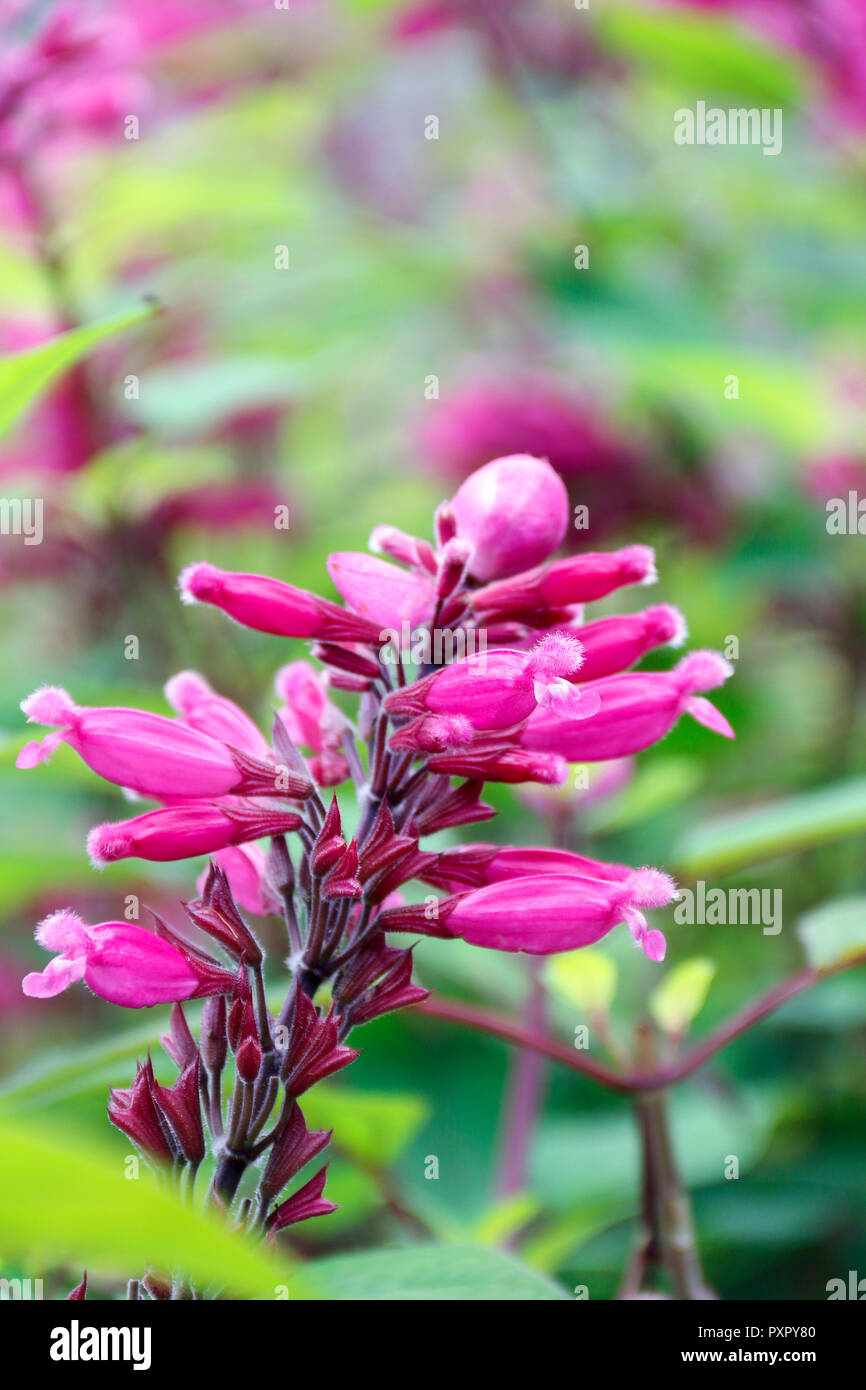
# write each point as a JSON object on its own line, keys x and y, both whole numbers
{"x": 105, "y": 843}
{"x": 638, "y": 564}
{"x": 704, "y": 670}
{"x": 184, "y": 691}
{"x": 199, "y": 582}
{"x": 650, "y": 887}
{"x": 61, "y": 931}
{"x": 667, "y": 625}
{"x": 555, "y": 654}
{"x": 51, "y": 705}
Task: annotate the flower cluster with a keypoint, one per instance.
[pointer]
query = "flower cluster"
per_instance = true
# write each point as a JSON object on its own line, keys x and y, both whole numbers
{"x": 541, "y": 686}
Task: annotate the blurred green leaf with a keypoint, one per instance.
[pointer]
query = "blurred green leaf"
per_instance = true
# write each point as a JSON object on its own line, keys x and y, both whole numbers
{"x": 581, "y": 1163}
{"x": 784, "y": 827}
{"x": 665, "y": 782}
{"x": 834, "y": 932}
{"x": 701, "y": 53}
{"x": 25, "y": 374}
{"x": 504, "y": 1219}
{"x": 73, "y": 1205}
{"x": 453, "y": 1273}
{"x": 586, "y": 978}
{"x": 57, "y": 1075}
{"x": 371, "y": 1126}
{"x": 682, "y": 994}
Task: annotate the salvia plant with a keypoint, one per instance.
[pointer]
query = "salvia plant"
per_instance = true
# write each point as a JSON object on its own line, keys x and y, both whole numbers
{"x": 470, "y": 661}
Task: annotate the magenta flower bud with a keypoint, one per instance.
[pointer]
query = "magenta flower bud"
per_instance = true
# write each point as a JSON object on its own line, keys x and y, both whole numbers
{"x": 384, "y": 593}
{"x": 613, "y": 644}
{"x": 341, "y": 880}
{"x": 145, "y": 752}
{"x": 216, "y": 914}
{"x": 313, "y": 1051}
{"x": 395, "y": 990}
{"x": 545, "y": 913}
{"x": 461, "y": 806}
{"x": 513, "y": 765}
{"x": 179, "y": 1042}
{"x": 245, "y": 868}
{"x": 444, "y": 523}
{"x": 270, "y": 605}
{"x": 473, "y": 866}
{"x": 453, "y": 560}
{"x": 409, "y": 550}
{"x": 133, "y": 1110}
{"x": 201, "y": 708}
{"x": 578, "y": 579}
{"x": 291, "y": 1151}
{"x": 433, "y": 733}
{"x": 306, "y": 1202}
{"x": 187, "y": 829}
{"x": 248, "y": 1059}
{"x": 214, "y": 1040}
{"x": 499, "y": 689}
{"x": 514, "y": 513}
{"x": 120, "y": 962}
{"x": 79, "y": 1292}
{"x": 636, "y": 710}
{"x": 180, "y": 1106}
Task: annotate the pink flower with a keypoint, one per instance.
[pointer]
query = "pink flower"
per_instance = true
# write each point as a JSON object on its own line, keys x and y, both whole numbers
{"x": 544, "y": 913}
{"x": 148, "y": 753}
{"x": 500, "y": 688}
{"x": 120, "y": 962}
{"x": 578, "y": 579}
{"x": 270, "y": 605}
{"x": 612, "y": 644}
{"x": 313, "y": 721}
{"x": 513, "y": 512}
{"x": 474, "y": 866}
{"x": 187, "y": 829}
{"x": 385, "y": 594}
{"x": 201, "y": 708}
{"x": 635, "y": 711}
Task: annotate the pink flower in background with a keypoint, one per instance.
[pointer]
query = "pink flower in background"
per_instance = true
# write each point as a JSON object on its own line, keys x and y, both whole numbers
{"x": 200, "y": 707}
{"x": 245, "y": 867}
{"x": 313, "y": 721}
{"x": 122, "y": 963}
{"x": 522, "y": 415}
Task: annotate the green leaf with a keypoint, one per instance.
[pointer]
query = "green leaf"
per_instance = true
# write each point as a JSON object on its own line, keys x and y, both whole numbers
{"x": 834, "y": 932}
{"x": 701, "y": 54}
{"x": 73, "y": 1205}
{"x": 586, "y": 978}
{"x": 58, "y": 1075}
{"x": 25, "y": 374}
{"x": 372, "y": 1127}
{"x": 784, "y": 827}
{"x": 682, "y": 994}
{"x": 451, "y": 1272}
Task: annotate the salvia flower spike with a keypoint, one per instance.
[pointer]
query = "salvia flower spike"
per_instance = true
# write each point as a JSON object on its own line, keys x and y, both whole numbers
{"x": 552, "y": 685}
